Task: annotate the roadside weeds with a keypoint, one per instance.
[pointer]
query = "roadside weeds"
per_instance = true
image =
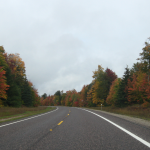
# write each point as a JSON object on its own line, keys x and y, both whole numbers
{"x": 27, "y": 113}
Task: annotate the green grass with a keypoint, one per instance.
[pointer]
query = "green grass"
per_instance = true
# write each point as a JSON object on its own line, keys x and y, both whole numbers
{"x": 10, "y": 112}
{"x": 134, "y": 111}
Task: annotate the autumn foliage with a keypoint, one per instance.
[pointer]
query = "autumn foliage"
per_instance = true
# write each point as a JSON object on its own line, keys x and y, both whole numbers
{"x": 15, "y": 89}
{"x": 112, "y": 96}
{"x": 138, "y": 89}
{"x": 107, "y": 89}
{"x": 3, "y": 85}
{"x": 15, "y": 63}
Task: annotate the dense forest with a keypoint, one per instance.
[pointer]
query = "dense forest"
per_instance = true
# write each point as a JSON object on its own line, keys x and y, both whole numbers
{"x": 15, "y": 89}
{"x": 107, "y": 89}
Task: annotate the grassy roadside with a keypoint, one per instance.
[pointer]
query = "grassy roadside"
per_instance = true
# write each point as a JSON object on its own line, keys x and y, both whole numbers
{"x": 133, "y": 111}
{"x": 10, "y": 113}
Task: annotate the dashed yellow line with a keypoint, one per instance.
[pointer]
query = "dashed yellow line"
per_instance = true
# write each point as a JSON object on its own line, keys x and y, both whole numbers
{"x": 60, "y": 123}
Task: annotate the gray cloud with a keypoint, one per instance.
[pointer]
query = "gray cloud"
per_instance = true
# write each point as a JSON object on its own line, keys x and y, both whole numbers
{"x": 62, "y": 42}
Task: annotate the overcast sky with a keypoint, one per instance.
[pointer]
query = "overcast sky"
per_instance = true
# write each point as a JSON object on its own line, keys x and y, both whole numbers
{"x": 63, "y": 41}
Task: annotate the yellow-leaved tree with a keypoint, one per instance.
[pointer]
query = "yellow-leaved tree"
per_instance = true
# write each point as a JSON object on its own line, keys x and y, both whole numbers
{"x": 97, "y": 95}
{"x": 15, "y": 63}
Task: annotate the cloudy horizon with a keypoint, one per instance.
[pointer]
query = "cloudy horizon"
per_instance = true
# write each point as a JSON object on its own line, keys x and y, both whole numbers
{"x": 63, "y": 42}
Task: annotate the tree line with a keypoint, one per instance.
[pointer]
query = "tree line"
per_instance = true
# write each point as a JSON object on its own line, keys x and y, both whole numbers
{"x": 108, "y": 89}
{"x": 15, "y": 89}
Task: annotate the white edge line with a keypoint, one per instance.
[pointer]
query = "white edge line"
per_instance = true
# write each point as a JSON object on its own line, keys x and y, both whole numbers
{"x": 28, "y": 118}
{"x": 121, "y": 128}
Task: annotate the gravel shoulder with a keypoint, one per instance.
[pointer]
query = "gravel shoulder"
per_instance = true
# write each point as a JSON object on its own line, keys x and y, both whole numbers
{"x": 143, "y": 122}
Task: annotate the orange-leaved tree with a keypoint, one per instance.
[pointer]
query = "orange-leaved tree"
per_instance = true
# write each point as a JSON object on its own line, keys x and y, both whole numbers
{"x": 138, "y": 88}
{"x": 3, "y": 85}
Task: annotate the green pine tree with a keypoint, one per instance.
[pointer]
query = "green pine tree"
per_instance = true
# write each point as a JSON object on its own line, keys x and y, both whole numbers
{"x": 14, "y": 91}
{"x": 27, "y": 94}
{"x": 122, "y": 92}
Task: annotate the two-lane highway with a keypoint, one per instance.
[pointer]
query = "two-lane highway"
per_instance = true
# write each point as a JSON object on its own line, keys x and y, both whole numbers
{"x": 69, "y": 128}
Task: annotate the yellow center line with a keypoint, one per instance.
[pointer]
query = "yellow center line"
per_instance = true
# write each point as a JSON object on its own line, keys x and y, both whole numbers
{"x": 60, "y": 122}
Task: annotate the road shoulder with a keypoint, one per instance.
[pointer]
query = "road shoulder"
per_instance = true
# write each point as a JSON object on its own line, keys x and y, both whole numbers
{"x": 142, "y": 122}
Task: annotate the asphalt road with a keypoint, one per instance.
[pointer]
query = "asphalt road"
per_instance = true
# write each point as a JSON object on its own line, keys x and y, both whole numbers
{"x": 69, "y": 128}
